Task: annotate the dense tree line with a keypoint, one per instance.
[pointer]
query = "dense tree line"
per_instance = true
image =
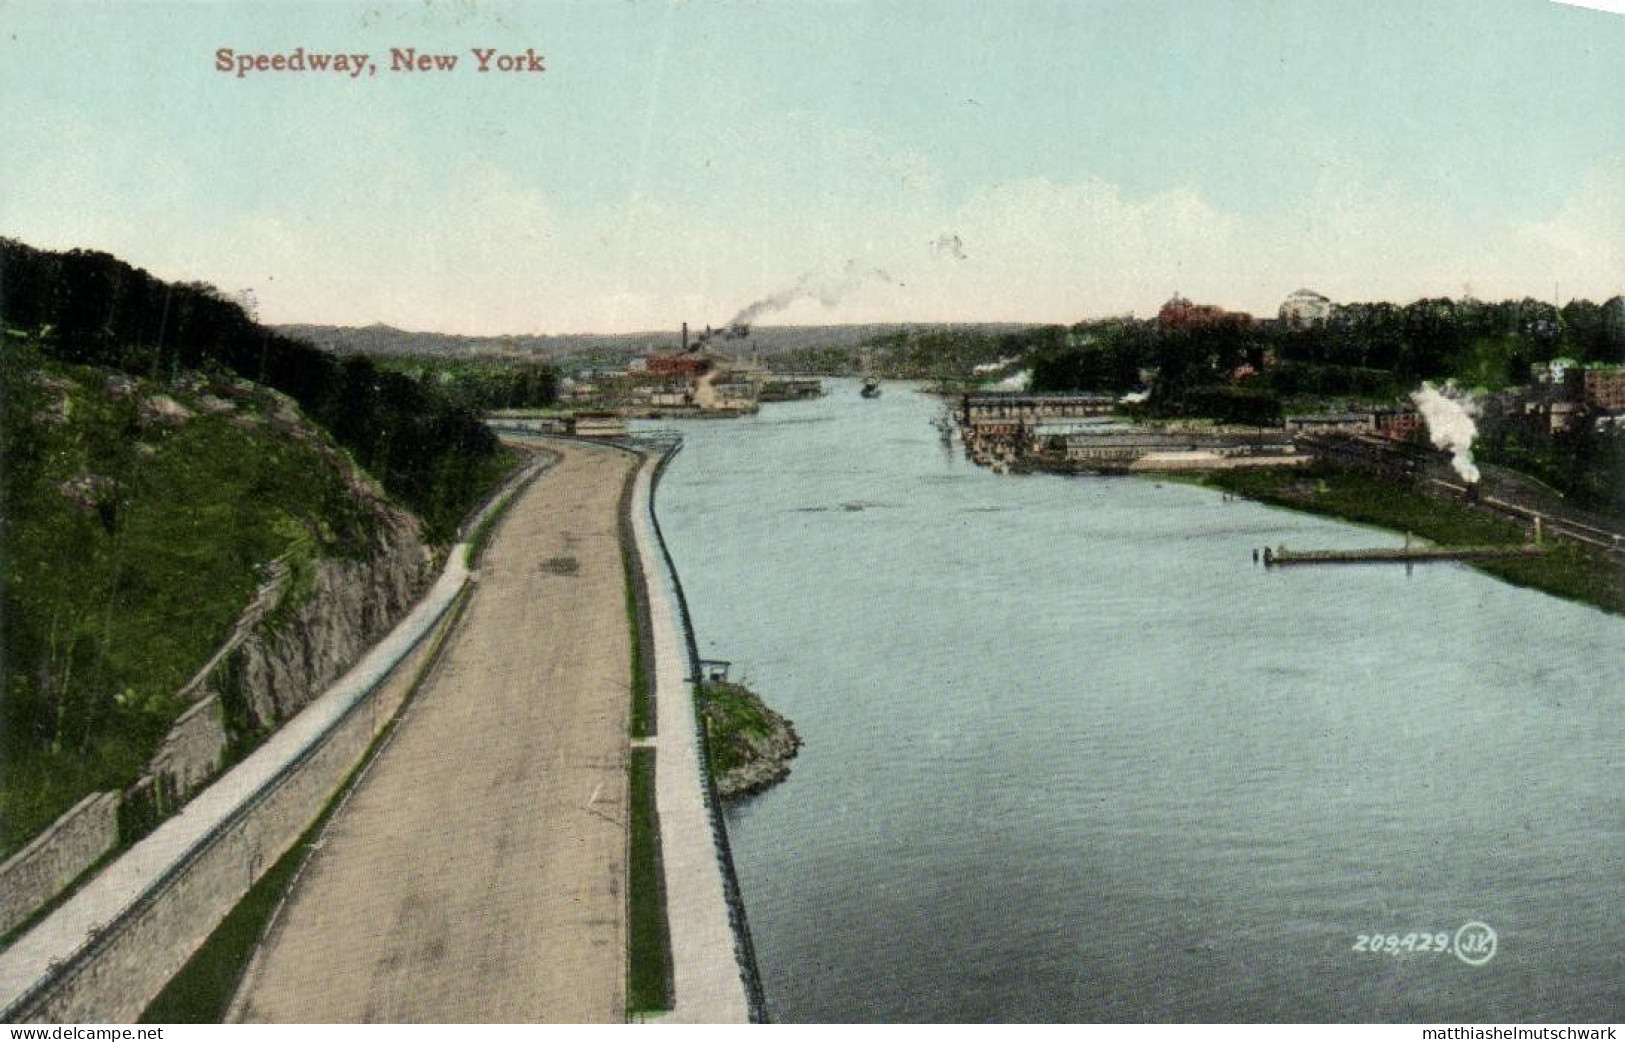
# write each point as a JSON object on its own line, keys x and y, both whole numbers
{"x": 1368, "y": 350}
{"x": 436, "y": 456}
{"x": 482, "y": 384}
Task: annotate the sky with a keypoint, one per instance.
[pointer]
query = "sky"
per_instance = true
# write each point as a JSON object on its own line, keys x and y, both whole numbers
{"x": 844, "y": 160}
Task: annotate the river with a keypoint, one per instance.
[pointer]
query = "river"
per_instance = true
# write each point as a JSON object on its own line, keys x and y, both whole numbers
{"x": 1071, "y": 756}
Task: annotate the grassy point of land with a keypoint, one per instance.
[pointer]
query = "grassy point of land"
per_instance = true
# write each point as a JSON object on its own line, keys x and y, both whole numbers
{"x": 734, "y": 716}
{"x": 1567, "y": 570}
{"x": 748, "y": 745}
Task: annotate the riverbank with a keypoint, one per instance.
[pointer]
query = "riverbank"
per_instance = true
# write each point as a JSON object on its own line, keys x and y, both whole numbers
{"x": 1567, "y": 570}
{"x": 749, "y": 745}
{"x": 713, "y": 971}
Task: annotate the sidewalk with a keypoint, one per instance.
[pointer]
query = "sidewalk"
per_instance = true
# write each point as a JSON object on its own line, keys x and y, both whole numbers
{"x": 709, "y": 989}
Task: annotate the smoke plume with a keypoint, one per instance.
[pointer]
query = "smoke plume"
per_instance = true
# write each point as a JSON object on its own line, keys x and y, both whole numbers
{"x": 827, "y": 292}
{"x": 1450, "y": 427}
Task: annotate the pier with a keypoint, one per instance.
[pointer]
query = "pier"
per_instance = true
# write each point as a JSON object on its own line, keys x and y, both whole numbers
{"x": 1282, "y": 557}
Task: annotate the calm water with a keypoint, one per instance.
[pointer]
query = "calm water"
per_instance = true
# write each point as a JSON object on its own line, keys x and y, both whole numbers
{"x": 1071, "y": 756}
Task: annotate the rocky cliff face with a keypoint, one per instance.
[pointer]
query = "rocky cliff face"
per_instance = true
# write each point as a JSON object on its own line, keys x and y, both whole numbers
{"x": 341, "y": 607}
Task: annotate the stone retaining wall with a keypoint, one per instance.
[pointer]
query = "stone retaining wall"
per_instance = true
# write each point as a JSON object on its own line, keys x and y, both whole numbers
{"x": 118, "y": 973}
{"x": 69, "y": 968}
{"x": 57, "y": 856}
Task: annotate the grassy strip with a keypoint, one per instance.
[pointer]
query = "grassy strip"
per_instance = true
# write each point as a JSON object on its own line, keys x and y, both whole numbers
{"x": 488, "y": 524}
{"x": 649, "y": 972}
{"x": 1567, "y": 570}
{"x": 203, "y": 989}
{"x": 201, "y": 992}
{"x": 642, "y": 724}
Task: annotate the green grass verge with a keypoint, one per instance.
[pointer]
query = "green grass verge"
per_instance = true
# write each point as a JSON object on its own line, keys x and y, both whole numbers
{"x": 1567, "y": 570}
{"x": 642, "y": 722}
{"x": 201, "y": 992}
{"x": 649, "y": 972}
{"x": 481, "y": 537}
{"x": 203, "y": 989}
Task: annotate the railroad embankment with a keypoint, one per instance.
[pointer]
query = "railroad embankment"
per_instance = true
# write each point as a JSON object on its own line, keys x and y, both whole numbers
{"x": 1567, "y": 569}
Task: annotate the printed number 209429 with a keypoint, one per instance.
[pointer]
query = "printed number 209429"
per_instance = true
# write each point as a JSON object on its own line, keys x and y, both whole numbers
{"x": 1393, "y": 943}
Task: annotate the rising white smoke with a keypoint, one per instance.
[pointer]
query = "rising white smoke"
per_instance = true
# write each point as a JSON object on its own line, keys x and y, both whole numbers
{"x": 1450, "y": 427}
{"x": 811, "y": 286}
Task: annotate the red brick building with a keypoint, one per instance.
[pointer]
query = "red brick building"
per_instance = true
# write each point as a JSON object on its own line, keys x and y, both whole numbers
{"x": 1181, "y": 313}
{"x": 1603, "y": 389}
{"x": 677, "y": 367}
{"x": 1399, "y": 424}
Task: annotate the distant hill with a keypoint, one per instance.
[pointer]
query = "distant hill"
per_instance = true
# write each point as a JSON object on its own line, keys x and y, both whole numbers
{"x": 606, "y": 348}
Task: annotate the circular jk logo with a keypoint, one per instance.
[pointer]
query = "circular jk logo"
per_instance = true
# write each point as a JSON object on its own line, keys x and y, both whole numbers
{"x": 1474, "y": 943}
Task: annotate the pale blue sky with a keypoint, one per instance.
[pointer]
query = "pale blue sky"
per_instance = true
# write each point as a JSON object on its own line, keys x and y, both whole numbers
{"x": 679, "y": 160}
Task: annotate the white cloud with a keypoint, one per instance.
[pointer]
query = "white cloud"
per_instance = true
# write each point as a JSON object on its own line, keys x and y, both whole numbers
{"x": 367, "y": 229}
{"x": 1583, "y": 244}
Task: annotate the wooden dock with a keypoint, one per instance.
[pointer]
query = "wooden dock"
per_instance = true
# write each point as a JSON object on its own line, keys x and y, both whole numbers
{"x": 1281, "y": 557}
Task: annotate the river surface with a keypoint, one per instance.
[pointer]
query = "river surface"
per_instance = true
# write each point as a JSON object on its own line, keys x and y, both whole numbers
{"x": 1071, "y": 756}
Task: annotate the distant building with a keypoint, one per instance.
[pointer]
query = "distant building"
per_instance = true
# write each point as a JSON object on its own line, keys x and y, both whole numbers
{"x": 1603, "y": 388}
{"x": 1399, "y": 424}
{"x": 1333, "y": 423}
{"x": 598, "y": 425}
{"x": 670, "y": 396}
{"x": 1032, "y": 408}
{"x": 1560, "y": 416}
{"x": 1305, "y": 308}
{"x": 681, "y": 367}
{"x": 1116, "y": 447}
{"x": 1552, "y": 373}
{"x": 1180, "y": 313}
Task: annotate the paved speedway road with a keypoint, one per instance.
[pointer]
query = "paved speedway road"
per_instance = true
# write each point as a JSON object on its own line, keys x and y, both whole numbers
{"x": 478, "y": 872}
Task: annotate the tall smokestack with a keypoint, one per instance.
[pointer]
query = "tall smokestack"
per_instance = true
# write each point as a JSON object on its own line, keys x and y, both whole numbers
{"x": 685, "y": 337}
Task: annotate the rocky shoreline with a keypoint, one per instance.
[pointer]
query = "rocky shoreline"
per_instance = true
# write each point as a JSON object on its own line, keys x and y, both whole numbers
{"x": 750, "y": 746}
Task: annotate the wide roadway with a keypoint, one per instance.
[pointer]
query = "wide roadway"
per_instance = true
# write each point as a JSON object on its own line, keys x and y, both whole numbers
{"x": 477, "y": 872}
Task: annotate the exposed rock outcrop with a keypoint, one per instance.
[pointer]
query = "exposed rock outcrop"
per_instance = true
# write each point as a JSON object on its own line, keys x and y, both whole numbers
{"x": 750, "y": 745}
{"x": 348, "y": 604}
